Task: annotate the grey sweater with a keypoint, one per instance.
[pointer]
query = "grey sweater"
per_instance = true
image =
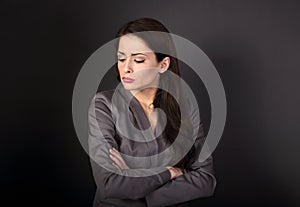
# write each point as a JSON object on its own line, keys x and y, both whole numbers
{"x": 147, "y": 183}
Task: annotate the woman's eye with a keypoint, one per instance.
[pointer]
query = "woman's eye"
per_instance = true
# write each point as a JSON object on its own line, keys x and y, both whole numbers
{"x": 139, "y": 60}
{"x": 121, "y": 59}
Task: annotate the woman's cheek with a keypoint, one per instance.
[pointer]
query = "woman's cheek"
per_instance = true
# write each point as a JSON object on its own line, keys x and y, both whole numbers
{"x": 120, "y": 69}
{"x": 149, "y": 72}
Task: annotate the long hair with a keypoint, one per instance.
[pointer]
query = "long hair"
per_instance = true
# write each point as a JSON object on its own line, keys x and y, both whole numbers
{"x": 162, "y": 99}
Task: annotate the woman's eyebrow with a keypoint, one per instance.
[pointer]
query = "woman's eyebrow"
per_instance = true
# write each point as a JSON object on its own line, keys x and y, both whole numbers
{"x": 139, "y": 53}
{"x": 122, "y": 53}
{"x": 132, "y": 54}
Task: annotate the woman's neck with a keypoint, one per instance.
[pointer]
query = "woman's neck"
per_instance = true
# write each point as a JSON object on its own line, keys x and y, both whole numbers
{"x": 145, "y": 96}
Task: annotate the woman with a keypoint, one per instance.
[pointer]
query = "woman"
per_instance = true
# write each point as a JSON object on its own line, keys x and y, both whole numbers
{"x": 114, "y": 141}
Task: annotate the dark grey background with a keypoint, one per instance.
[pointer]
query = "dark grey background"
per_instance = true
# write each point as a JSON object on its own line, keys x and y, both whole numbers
{"x": 253, "y": 44}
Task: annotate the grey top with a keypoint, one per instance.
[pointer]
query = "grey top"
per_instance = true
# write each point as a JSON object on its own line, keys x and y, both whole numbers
{"x": 125, "y": 189}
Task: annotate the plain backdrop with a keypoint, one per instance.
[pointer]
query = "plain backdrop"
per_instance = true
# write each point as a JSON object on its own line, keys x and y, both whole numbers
{"x": 254, "y": 46}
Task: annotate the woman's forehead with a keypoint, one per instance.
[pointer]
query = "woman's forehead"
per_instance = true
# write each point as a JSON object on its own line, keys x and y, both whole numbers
{"x": 131, "y": 44}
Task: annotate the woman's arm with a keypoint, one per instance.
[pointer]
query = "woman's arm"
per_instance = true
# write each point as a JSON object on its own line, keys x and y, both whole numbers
{"x": 197, "y": 183}
{"x": 119, "y": 163}
{"x": 115, "y": 185}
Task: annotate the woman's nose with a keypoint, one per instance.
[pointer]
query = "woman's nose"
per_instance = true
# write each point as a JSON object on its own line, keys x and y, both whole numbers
{"x": 128, "y": 67}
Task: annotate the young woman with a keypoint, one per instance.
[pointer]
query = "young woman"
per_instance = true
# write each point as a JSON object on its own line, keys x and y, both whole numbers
{"x": 127, "y": 128}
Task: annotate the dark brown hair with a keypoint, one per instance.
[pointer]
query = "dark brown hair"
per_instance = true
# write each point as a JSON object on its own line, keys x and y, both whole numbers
{"x": 163, "y": 99}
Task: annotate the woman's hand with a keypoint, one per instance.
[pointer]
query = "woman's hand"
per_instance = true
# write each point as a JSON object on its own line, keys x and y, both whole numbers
{"x": 176, "y": 171}
{"x": 117, "y": 158}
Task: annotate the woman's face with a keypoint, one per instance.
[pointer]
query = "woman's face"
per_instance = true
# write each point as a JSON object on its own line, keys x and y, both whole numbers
{"x": 137, "y": 64}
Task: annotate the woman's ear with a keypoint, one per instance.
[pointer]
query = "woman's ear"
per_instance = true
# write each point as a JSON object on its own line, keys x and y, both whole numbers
{"x": 164, "y": 65}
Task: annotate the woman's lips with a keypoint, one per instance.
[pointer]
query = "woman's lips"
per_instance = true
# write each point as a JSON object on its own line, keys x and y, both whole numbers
{"x": 127, "y": 80}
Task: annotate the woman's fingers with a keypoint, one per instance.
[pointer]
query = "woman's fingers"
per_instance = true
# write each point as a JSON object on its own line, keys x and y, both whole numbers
{"x": 175, "y": 172}
{"x": 178, "y": 171}
{"x": 117, "y": 158}
{"x": 114, "y": 164}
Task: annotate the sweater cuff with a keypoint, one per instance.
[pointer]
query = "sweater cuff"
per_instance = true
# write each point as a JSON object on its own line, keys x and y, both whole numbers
{"x": 165, "y": 176}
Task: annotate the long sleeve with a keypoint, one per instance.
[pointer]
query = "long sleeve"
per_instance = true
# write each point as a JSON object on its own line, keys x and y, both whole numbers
{"x": 197, "y": 183}
{"x": 111, "y": 184}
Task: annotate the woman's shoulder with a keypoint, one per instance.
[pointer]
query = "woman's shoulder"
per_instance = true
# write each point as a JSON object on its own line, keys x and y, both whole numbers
{"x": 104, "y": 95}
{"x": 102, "y": 99}
{"x": 116, "y": 95}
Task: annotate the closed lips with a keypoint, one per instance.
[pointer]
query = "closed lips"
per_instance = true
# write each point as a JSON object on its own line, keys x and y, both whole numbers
{"x": 128, "y": 79}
